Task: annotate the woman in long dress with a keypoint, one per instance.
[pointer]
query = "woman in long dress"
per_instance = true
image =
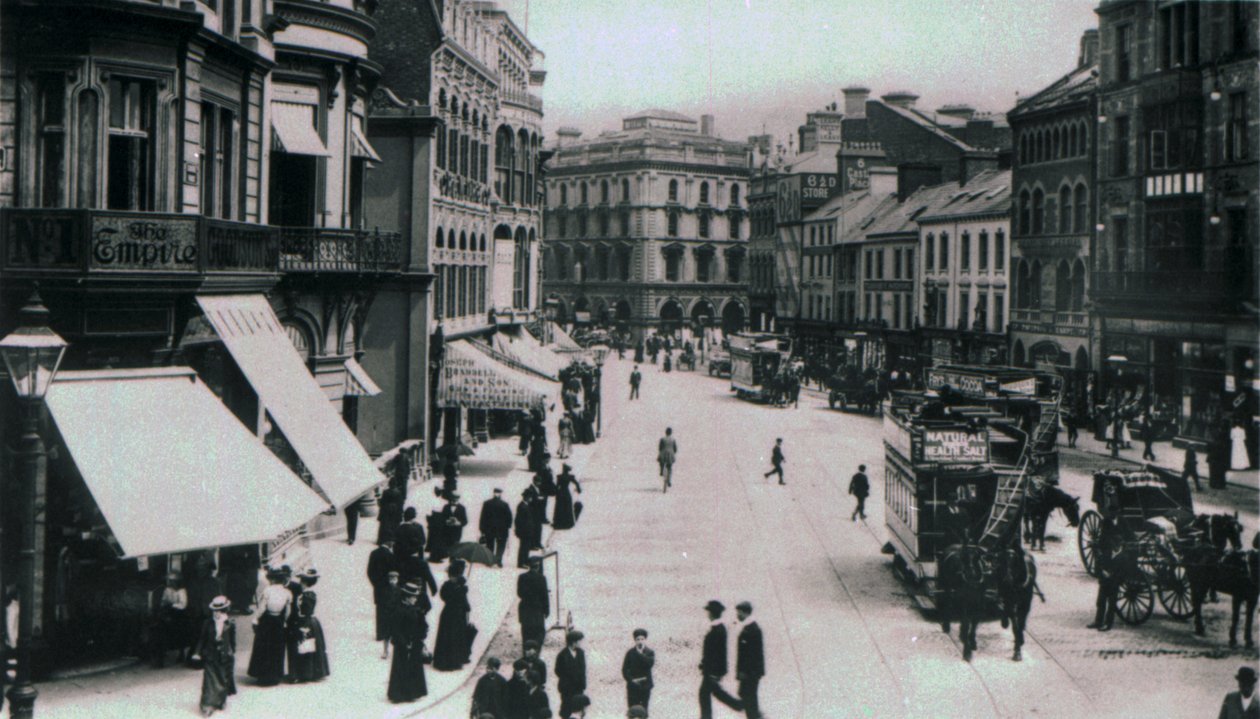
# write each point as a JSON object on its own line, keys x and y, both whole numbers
{"x": 310, "y": 662}
{"x": 1238, "y": 451}
{"x": 266, "y": 660}
{"x": 217, "y": 649}
{"x": 453, "y": 647}
{"x": 562, "y": 516}
{"x": 408, "y": 631}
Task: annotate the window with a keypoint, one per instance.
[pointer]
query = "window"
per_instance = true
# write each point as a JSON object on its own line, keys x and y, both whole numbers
{"x": 673, "y": 191}
{"x": 870, "y": 265}
{"x": 984, "y": 251}
{"x": 964, "y": 309}
{"x": 463, "y": 156}
{"x": 734, "y": 266}
{"x": 734, "y": 195}
{"x": 1062, "y": 287}
{"x": 897, "y": 311}
{"x": 1174, "y": 235}
{"x": 999, "y": 319}
{"x": 1025, "y": 213}
{"x": 1120, "y": 147}
{"x": 980, "y": 323}
{"x": 1034, "y": 286}
{"x": 1236, "y": 145}
{"x": 451, "y": 287}
{"x": 870, "y": 307}
{"x": 735, "y": 227}
{"x": 896, "y": 264}
{"x": 564, "y": 195}
{"x": 582, "y": 225}
{"x": 908, "y": 305}
{"x": 218, "y": 179}
{"x": 999, "y": 251}
{"x": 879, "y": 264}
{"x": 602, "y": 258}
{"x": 1179, "y": 35}
{"x": 1065, "y": 210}
{"x": 625, "y": 190}
{"x": 943, "y": 258}
{"x": 1120, "y": 243}
{"x": 603, "y": 224}
{"x": 625, "y": 224}
{"x": 1038, "y": 212}
{"x": 132, "y": 105}
{"x": 704, "y": 262}
{"x": 929, "y": 252}
{"x": 704, "y": 226}
{"x": 520, "y": 274}
{"x": 439, "y": 307}
{"x": 452, "y": 141}
{"x": 1078, "y": 286}
{"x": 672, "y": 258}
{"x": 909, "y": 264}
{"x": 51, "y": 124}
{"x": 704, "y": 193}
{"x": 585, "y": 197}
{"x": 1124, "y": 53}
{"x": 964, "y": 252}
{"x": 503, "y": 156}
{"x": 1174, "y": 134}
{"x": 673, "y": 224}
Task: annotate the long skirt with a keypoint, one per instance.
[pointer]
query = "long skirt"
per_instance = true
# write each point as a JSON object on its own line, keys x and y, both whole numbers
{"x": 453, "y": 646}
{"x": 310, "y": 666}
{"x": 266, "y": 661}
{"x": 406, "y": 675}
{"x": 383, "y": 628}
{"x": 562, "y": 516}
{"x": 218, "y": 679}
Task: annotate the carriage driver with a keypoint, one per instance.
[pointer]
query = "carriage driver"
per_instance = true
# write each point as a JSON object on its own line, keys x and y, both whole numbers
{"x": 961, "y": 515}
{"x": 1107, "y": 561}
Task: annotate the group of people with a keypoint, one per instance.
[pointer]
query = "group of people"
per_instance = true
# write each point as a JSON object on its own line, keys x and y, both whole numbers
{"x": 288, "y": 637}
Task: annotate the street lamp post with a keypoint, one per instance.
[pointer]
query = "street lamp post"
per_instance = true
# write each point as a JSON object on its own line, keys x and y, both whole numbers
{"x": 32, "y": 353}
{"x": 1116, "y": 362}
{"x": 599, "y": 392}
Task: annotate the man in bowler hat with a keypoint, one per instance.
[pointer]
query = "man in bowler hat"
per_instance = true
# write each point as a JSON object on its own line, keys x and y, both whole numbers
{"x": 1242, "y": 704}
{"x": 750, "y": 660}
{"x": 495, "y": 524}
{"x": 713, "y": 663}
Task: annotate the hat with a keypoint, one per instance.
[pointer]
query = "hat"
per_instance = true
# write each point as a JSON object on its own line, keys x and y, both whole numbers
{"x": 531, "y": 644}
{"x": 567, "y": 468}
{"x": 410, "y": 589}
{"x": 220, "y": 604}
{"x": 310, "y": 573}
{"x": 574, "y": 636}
{"x": 744, "y": 607}
{"x": 456, "y": 567}
{"x": 715, "y": 606}
{"x": 452, "y": 496}
{"x": 493, "y": 662}
{"x": 520, "y": 664}
{"x": 286, "y": 569}
{"x": 274, "y": 573}
{"x": 640, "y": 633}
{"x": 392, "y": 573}
{"x": 636, "y": 712}
{"x": 498, "y": 490}
{"x": 1246, "y": 674}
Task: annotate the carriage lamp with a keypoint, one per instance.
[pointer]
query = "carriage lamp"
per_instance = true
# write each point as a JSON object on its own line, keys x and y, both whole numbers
{"x": 32, "y": 353}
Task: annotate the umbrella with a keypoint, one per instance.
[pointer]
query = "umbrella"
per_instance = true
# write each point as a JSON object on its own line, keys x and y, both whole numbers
{"x": 473, "y": 553}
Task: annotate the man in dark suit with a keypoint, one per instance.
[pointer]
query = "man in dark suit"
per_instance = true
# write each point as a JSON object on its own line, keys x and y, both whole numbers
{"x": 534, "y": 662}
{"x": 454, "y": 519}
{"x": 528, "y": 531}
{"x": 636, "y": 378}
{"x": 413, "y": 568}
{"x": 495, "y": 524}
{"x": 750, "y": 660}
{"x": 380, "y": 563}
{"x": 571, "y": 672}
{"x": 636, "y": 669}
{"x": 713, "y": 663}
{"x": 409, "y": 537}
{"x": 1242, "y": 704}
{"x": 490, "y": 694}
{"x": 535, "y": 605}
{"x": 860, "y": 487}
{"x": 776, "y": 461}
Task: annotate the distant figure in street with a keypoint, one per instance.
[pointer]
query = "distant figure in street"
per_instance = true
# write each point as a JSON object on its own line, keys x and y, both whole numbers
{"x": 536, "y": 703}
{"x": 860, "y": 487}
{"x": 667, "y": 364}
{"x": 535, "y": 603}
{"x": 666, "y": 453}
{"x": 1242, "y": 703}
{"x": 750, "y": 660}
{"x": 528, "y": 530}
{"x": 495, "y": 524}
{"x": 1109, "y": 546}
{"x": 453, "y": 646}
{"x": 490, "y": 696}
{"x": 381, "y": 563}
{"x": 1190, "y": 468}
{"x": 389, "y": 514}
{"x": 636, "y": 669}
{"x": 713, "y": 664}
{"x": 217, "y": 649}
{"x": 517, "y": 691}
{"x": 534, "y": 662}
{"x": 776, "y": 461}
{"x": 565, "y": 430}
{"x": 413, "y": 568}
{"x": 571, "y": 672}
{"x": 564, "y": 515}
{"x": 352, "y": 519}
{"x": 310, "y": 663}
{"x": 1148, "y": 437}
{"x": 636, "y": 378}
{"x": 525, "y": 426}
{"x": 449, "y": 528}
{"x": 638, "y": 352}
{"x": 409, "y": 537}
{"x": 1071, "y": 422}
{"x": 406, "y": 673}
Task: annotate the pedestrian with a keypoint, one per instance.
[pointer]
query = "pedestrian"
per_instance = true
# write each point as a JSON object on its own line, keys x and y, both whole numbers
{"x": 1148, "y": 437}
{"x": 1072, "y": 423}
{"x": 666, "y": 453}
{"x": 1218, "y": 456}
{"x": 266, "y": 659}
{"x": 450, "y": 528}
{"x": 311, "y": 656}
{"x": 860, "y": 487}
{"x": 216, "y": 647}
{"x": 1190, "y": 468}
{"x": 533, "y": 661}
{"x": 565, "y": 431}
{"x": 636, "y": 669}
{"x": 495, "y": 524}
{"x": 570, "y": 672}
{"x": 409, "y": 537}
{"x": 202, "y": 588}
{"x": 1108, "y": 567}
{"x": 382, "y": 563}
{"x": 1242, "y": 703}
{"x": 544, "y": 486}
{"x": 564, "y": 515}
{"x": 535, "y": 603}
{"x": 524, "y": 426}
{"x": 536, "y": 703}
{"x": 406, "y": 673}
{"x": 668, "y": 363}
{"x": 528, "y": 531}
{"x": 776, "y": 461}
{"x": 794, "y": 390}
{"x": 518, "y": 691}
{"x": 713, "y": 663}
{"x": 450, "y": 474}
{"x": 389, "y": 514}
{"x": 351, "y": 513}
{"x": 636, "y": 378}
{"x": 750, "y": 660}
{"x": 490, "y": 696}
{"x": 170, "y": 628}
{"x": 1238, "y": 458}
{"x": 453, "y": 646}
{"x": 413, "y": 568}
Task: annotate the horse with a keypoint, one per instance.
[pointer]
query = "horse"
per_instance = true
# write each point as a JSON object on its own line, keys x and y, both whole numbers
{"x": 962, "y": 577}
{"x": 1040, "y": 503}
{"x": 1015, "y": 573}
{"x": 1230, "y": 571}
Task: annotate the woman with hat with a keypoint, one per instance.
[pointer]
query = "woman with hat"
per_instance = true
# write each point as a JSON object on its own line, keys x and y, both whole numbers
{"x": 454, "y": 635}
{"x": 266, "y": 660}
{"x": 217, "y": 649}
{"x": 310, "y": 655}
{"x": 406, "y": 673}
{"x": 563, "y": 516}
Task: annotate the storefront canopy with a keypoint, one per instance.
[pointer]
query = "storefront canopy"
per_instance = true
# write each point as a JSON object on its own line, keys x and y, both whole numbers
{"x": 521, "y": 346}
{"x": 261, "y": 347}
{"x": 358, "y": 382}
{"x": 561, "y": 341}
{"x": 170, "y": 467}
{"x": 473, "y": 379}
{"x": 294, "y": 125}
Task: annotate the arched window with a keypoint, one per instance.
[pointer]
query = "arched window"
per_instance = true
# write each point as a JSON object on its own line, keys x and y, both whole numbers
{"x": 625, "y": 224}
{"x": 1038, "y": 212}
{"x": 734, "y": 195}
{"x": 1025, "y": 213}
{"x": 439, "y": 239}
{"x": 583, "y": 188}
{"x": 1062, "y": 287}
{"x": 1065, "y": 210}
{"x": 463, "y": 241}
{"x": 450, "y": 240}
{"x": 603, "y": 224}
{"x": 625, "y": 190}
{"x": 736, "y": 227}
{"x": 503, "y": 155}
{"x": 1071, "y": 145}
{"x": 1082, "y": 207}
{"x": 523, "y": 176}
{"x": 603, "y": 192}
{"x": 564, "y": 194}
{"x": 673, "y": 190}
{"x": 1078, "y": 286}
{"x": 483, "y": 242}
{"x": 704, "y": 193}
{"x": 1055, "y": 143}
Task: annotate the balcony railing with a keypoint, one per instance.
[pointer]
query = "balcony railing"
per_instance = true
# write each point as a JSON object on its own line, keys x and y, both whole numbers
{"x": 320, "y": 249}
{"x": 523, "y": 99}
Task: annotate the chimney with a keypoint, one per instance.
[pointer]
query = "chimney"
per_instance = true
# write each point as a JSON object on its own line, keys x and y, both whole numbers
{"x": 901, "y": 98}
{"x": 567, "y": 136}
{"x": 911, "y": 176}
{"x": 972, "y": 164}
{"x": 960, "y": 111}
{"x": 855, "y": 97}
{"x": 706, "y": 125}
{"x": 1089, "y": 48}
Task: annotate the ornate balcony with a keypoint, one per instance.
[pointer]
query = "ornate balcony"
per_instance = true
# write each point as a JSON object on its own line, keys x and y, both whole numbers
{"x": 320, "y": 249}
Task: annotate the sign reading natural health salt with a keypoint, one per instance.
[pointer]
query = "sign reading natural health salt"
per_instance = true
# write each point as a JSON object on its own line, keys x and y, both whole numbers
{"x": 953, "y": 445}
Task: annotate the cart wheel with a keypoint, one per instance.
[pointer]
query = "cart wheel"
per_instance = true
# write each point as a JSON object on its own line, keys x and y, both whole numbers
{"x": 1087, "y": 540}
{"x": 1174, "y": 593}
{"x": 1135, "y": 601}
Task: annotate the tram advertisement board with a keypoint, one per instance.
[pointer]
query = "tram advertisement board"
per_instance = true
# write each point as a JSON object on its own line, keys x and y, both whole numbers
{"x": 955, "y": 445}
{"x": 970, "y": 385}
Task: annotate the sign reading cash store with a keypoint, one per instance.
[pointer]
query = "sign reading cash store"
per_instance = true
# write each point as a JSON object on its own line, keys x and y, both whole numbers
{"x": 128, "y": 242}
{"x": 955, "y": 446}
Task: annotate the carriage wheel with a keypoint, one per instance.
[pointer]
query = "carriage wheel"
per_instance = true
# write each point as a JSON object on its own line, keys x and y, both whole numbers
{"x": 1087, "y": 537}
{"x": 1135, "y": 601}
{"x": 1174, "y": 593}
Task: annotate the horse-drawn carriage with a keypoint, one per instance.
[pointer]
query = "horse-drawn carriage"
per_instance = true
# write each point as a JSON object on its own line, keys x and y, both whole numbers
{"x": 850, "y": 387}
{"x": 758, "y": 364}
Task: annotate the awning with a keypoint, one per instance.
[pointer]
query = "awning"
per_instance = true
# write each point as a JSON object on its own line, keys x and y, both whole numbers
{"x": 170, "y": 467}
{"x": 526, "y": 350}
{"x": 473, "y": 379}
{"x": 360, "y": 147}
{"x": 261, "y": 347}
{"x": 294, "y": 126}
{"x": 561, "y": 341}
{"x": 358, "y": 382}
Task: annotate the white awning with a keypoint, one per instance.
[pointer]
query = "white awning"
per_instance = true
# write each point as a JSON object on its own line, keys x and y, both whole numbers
{"x": 294, "y": 127}
{"x": 261, "y": 347}
{"x": 472, "y": 378}
{"x": 521, "y": 345}
{"x": 360, "y": 147}
{"x": 170, "y": 467}
{"x": 561, "y": 341}
{"x": 358, "y": 382}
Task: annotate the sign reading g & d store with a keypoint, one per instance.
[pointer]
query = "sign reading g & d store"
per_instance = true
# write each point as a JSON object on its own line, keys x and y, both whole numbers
{"x": 132, "y": 242}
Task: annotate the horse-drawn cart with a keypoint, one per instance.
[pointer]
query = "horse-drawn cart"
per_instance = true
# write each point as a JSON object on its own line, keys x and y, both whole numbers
{"x": 1154, "y": 522}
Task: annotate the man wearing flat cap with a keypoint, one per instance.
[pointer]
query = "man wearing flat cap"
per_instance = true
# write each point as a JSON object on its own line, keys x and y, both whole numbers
{"x": 1242, "y": 703}
{"x": 570, "y": 672}
{"x": 490, "y": 695}
{"x": 713, "y": 663}
{"x": 495, "y": 524}
{"x": 750, "y": 660}
{"x": 636, "y": 669}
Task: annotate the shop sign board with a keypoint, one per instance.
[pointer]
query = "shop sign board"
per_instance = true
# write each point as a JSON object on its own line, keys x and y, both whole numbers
{"x": 955, "y": 445}
{"x": 1026, "y": 386}
{"x": 133, "y": 242}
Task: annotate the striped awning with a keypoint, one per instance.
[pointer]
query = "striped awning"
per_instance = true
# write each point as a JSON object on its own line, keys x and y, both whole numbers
{"x": 473, "y": 379}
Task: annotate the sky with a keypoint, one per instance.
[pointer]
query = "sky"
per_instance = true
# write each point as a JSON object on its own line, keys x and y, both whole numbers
{"x": 755, "y": 63}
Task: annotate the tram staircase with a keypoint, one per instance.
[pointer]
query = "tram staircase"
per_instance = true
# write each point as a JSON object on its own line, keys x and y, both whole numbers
{"x": 1008, "y": 504}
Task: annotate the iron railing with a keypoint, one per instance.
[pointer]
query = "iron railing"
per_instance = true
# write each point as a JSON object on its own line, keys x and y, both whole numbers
{"x": 321, "y": 249}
